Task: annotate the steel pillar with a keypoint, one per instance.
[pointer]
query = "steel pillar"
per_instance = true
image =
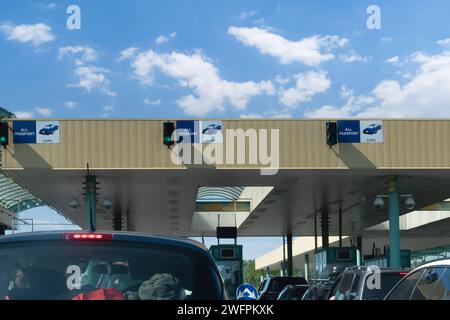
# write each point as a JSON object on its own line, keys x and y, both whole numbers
{"x": 91, "y": 203}
{"x": 394, "y": 223}
{"x": 306, "y": 266}
{"x": 325, "y": 233}
{"x": 290, "y": 260}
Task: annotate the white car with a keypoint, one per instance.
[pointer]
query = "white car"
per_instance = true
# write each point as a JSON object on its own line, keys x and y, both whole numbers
{"x": 430, "y": 281}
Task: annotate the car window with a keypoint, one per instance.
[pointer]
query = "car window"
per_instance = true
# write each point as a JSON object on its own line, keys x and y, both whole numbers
{"x": 387, "y": 281}
{"x": 65, "y": 270}
{"x": 355, "y": 287}
{"x": 344, "y": 286}
{"x": 261, "y": 286}
{"x": 430, "y": 286}
{"x": 277, "y": 284}
{"x": 403, "y": 290}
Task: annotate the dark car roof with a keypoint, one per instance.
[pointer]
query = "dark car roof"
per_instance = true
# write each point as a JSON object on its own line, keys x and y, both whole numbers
{"x": 116, "y": 236}
{"x": 382, "y": 270}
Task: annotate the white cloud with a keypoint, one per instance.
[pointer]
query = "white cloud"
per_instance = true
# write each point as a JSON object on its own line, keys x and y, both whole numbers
{"x": 311, "y": 51}
{"x": 353, "y": 57}
{"x": 46, "y": 6}
{"x": 70, "y": 104}
{"x": 444, "y": 42}
{"x": 41, "y": 111}
{"x": 425, "y": 95}
{"x": 86, "y": 54}
{"x": 89, "y": 77}
{"x": 247, "y": 14}
{"x": 353, "y": 105}
{"x": 45, "y": 112}
{"x": 92, "y": 78}
{"x": 307, "y": 85}
{"x": 164, "y": 39}
{"x": 393, "y": 60}
{"x": 282, "y": 80}
{"x": 24, "y": 114}
{"x": 108, "y": 110}
{"x": 37, "y": 34}
{"x": 152, "y": 102}
{"x": 268, "y": 114}
{"x": 196, "y": 72}
{"x": 387, "y": 39}
{"x": 128, "y": 53}
{"x": 251, "y": 116}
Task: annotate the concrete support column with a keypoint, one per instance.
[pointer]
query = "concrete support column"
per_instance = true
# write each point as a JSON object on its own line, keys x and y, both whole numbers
{"x": 340, "y": 226}
{"x": 325, "y": 233}
{"x": 91, "y": 203}
{"x": 290, "y": 260}
{"x": 394, "y": 223}
{"x": 306, "y": 266}
{"x": 359, "y": 251}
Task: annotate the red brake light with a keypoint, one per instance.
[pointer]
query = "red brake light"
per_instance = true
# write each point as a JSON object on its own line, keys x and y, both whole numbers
{"x": 403, "y": 273}
{"x": 88, "y": 236}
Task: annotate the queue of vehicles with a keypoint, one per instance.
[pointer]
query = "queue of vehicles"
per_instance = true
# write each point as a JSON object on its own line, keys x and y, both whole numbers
{"x": 133, "y": 266}
{"x": 430, "y": 281}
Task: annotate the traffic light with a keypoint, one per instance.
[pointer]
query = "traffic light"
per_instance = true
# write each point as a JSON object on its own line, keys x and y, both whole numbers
{"x": 4, "y": 133}
{"x": 331, "y": 133}
{"x": 168, "y": 130}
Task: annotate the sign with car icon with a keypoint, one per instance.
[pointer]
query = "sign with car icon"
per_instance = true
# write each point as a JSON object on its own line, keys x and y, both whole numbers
{"x": 212, "y": 132}
{"x": 47, "y": 132}
{"x": 32, "y": 132}
{"x": 371, "y": 131}
{"x": 360, "y": 131}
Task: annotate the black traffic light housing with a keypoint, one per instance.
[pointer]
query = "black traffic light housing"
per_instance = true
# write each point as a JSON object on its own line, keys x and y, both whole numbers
{"x": 168, "y": 130}
{"x": 4, "y": 133}
{"x": 332, "y": 134}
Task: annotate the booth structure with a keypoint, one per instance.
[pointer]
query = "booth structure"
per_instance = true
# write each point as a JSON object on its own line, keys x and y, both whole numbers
{"x": 230, "y": 263}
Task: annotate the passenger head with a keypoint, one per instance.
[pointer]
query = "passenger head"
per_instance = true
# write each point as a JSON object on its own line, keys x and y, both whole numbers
{"x": 161, "y": 286}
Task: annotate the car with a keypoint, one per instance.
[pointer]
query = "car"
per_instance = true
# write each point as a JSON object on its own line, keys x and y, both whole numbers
{"x": 372, "y": 129}
{"x": 212, "y": 129}
{"x": 271, "y": 287}
{"x": 320, "y": 288}
{"x": 49, "y": 130}
{"x": 359, "y": 283}
{"x": 106, "y": 266}
{"x": 293, "y": 292}
{"x": 430, "y": 281}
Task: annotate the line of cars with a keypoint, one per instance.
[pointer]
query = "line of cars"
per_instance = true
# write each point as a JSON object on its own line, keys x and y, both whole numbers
{"x": 132, "y": 266}
{"x": 430, "y": 281}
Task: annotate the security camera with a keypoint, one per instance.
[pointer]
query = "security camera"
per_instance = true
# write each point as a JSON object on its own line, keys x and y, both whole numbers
{"x": 74, "y": 204}
{"x": 107, "y": 204}
{"x": 410, "y": 203}
{"x": 378, "y": 203}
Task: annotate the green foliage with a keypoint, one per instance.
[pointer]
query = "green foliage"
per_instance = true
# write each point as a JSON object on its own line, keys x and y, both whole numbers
{"x": 253, "y": 276}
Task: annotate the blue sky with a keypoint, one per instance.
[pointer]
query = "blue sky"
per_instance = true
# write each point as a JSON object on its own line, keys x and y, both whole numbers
{"x": 249, "y": 58}
{"x": 225, "y": 59}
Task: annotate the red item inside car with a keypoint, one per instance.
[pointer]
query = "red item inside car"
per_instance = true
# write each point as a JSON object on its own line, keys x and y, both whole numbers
{"x": 101, "y": 294}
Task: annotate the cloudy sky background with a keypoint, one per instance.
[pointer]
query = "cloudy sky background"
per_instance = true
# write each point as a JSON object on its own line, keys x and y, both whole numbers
{"x": 225, "y": 59}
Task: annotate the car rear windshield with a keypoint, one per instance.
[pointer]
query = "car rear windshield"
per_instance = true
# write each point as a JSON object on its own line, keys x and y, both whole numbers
{"x": 105, "y": 270}
{"x": 387, "y": 282}
{"x": 278, "y": 284}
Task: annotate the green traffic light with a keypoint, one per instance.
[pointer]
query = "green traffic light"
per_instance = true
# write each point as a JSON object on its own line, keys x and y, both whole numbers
{"x": 2, "y": 139}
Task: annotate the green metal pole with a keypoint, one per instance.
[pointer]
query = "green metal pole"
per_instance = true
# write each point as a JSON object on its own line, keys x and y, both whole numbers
{"x": 306, "y": 266}
{"x": 91, "y": 205}
{"x": 394, "y": 224}
{"x": 290, "y": 264}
